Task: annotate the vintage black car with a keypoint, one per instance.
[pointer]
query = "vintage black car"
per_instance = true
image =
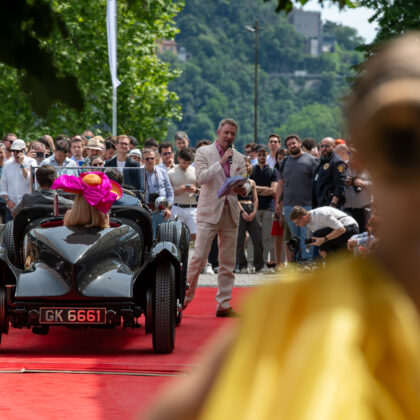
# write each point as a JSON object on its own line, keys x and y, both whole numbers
{"x": 81, "y": 277}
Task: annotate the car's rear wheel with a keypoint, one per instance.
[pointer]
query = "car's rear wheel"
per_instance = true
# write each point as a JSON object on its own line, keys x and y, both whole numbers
{"x": 164, "y": 308}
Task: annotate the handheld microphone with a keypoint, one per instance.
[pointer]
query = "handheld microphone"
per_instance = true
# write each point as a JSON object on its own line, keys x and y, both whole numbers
{"x": 230, "y": 157}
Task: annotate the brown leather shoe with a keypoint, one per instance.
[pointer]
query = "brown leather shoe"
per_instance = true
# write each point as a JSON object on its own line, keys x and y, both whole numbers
{"x": 227, "y": 313}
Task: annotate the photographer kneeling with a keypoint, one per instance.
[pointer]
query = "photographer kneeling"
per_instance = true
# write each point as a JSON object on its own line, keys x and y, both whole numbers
{"x": 330, "y": 227}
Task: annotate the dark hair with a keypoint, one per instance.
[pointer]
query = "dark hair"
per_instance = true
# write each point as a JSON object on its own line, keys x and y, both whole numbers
{"x": 133, "y": 141}
{"x": 309, "y": 143}
{"x": 76, "y": 139}
{"x": 274, "y": 135}
{"x": 200, "y": 143}
{"x": 292, "y": 136}
{"x": 185, "y": 154}
{"x": 115, "y": 175}
{"x": 279, "y": 152}
{"x": 62, "y": 146}
{"x": 44, "y": 142}
{"x": 165, "y": 145}
{"x": 150, "y": 142}
{"x": 45, "y": 175}
{"x": 109, "y": 144}
{"x": 62, "y": 137}
{"x": 253, "y": 146}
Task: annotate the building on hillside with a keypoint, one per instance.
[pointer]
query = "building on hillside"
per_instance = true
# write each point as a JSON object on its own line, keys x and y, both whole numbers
{"x": 167, "y": 45}
{"x": 309, "y": 24}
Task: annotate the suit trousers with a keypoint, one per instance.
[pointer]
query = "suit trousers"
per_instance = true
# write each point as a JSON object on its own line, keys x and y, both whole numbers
{"x": 227, "y": 231}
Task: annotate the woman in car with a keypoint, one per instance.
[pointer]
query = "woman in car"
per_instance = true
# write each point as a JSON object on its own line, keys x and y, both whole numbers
{"x": 95, "y": 194}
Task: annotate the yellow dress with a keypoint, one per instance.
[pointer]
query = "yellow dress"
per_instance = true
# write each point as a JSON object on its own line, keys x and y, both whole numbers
{"x": 342, "y": 343}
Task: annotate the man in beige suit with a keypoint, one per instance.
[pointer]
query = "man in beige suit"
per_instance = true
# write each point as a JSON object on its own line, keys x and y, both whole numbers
{"x": 217, "y": 216}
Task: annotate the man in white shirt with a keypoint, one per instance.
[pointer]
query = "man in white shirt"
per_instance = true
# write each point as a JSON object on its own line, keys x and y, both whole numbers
{"x": 60, "y": 160}
{"x": 274, "y": 144}
{"x": 185, "y": 187}
{"x": 331, "y": 228}
{"x": 166, "y": 152}
{"x": 16, "y": 177}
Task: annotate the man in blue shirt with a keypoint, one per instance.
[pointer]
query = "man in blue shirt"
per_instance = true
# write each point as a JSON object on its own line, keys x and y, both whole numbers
{"x": 60, "y": 160}
{"x": 157, "y": 182}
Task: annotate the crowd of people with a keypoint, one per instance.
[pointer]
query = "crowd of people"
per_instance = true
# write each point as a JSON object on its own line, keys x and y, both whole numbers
{"x": 301, "y": 173}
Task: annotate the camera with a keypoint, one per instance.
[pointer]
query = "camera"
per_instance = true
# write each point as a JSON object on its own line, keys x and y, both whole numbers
{"x": 293, "y": 244}
{"x": 357, "y": 189}
{"x": 40, "y": 155}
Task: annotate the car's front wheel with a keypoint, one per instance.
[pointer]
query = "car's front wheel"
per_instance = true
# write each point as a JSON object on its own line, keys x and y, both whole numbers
{"x": 164, "y": 308}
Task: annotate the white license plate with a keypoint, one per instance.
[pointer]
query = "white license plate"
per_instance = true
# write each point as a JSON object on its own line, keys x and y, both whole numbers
{"x": 59, "y": 316}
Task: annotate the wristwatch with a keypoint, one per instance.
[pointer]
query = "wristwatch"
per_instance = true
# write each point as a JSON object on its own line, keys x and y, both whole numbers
{"x": 22, "y": 166}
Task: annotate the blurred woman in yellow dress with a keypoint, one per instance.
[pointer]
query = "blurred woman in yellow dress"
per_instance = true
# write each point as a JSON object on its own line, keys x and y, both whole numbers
{"x": 343, "y": 342}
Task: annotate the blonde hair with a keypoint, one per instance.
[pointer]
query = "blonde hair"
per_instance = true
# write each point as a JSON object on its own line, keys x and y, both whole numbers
{"x": 83, "y": 214}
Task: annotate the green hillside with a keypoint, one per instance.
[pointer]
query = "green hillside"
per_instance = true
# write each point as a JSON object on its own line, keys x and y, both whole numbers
{"x": 218, "y": 76}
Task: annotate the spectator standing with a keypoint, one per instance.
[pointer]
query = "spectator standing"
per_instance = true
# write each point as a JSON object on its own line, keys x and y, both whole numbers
{"x": 76, "y": 149}
{"x": 135, "y": 155}
{"x": 98, "y": 162}
{"x": 248, "y": 223}
{"x": 308, "y": 144}
{"x": 94, "y": 148}
{"x": 110, "y": 149}
{"x": 127, "y": 199}
{"x": 16, "y": 179}
{"x": 124, "y": 163}
{"x": 166, "y": 152}
{"x": 60, "y": 160}
{"x": 184, "y": 183}
{"x": 251, "y": 152}
{"x": 2, "y": 201}
{"x": 217, "y": 216}
{"x": 181, "y": 142}
{"x": 37, "y": 152}
{"x": 274, "y": 144}
{"x": 295, "y": 188}
{"x": 357, "y": 194}
{"x": 265, "y": 179}
{"x": 330, "y": 177}
{"x": 7, "y": 140}
{"x": 88, "y": 134}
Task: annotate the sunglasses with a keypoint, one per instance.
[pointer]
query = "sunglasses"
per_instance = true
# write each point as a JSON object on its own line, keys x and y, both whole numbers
{"x": 151, "y": 158}
{"x": 324, "y": 146}
{"x": 166, "y": 153}
{"x": 97, "y": 164}
{"x": 273, "y": 141}
{"x": 17, "y": 151}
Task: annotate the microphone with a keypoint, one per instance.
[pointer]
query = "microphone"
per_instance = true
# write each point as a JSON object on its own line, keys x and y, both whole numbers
{"x": 230, "y": 157}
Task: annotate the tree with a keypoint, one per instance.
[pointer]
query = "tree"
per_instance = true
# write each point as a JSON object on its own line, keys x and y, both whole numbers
{"x": 145, "y": 103}
{"x": 393, "y": 18}
{"x": 317, "y": 121}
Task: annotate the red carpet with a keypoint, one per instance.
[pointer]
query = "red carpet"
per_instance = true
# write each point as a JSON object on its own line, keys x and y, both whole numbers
{"x": 117, "y": 362}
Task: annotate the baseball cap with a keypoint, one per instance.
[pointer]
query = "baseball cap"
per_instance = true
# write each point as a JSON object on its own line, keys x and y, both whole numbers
{"x": 18, "y": 144}
{"x": 262, "y": 147}
{"x": 135, "y": 152}
{"x": 94, "y": 144}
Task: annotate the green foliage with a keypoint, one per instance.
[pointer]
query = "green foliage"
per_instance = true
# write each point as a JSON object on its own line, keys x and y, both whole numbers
{"x": 312, "y": 120}
{"x": 217, "y": 80}
{"x": 394, "y": 18}
{"x": 145, "y": 104}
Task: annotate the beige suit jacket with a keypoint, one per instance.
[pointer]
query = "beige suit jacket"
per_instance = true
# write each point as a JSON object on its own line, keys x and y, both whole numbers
{"x": 210, "y": 175}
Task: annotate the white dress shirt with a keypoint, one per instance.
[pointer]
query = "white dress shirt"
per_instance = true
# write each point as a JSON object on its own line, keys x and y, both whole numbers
{"x": 13, "y": 184}
{"x": 329, "y": 217}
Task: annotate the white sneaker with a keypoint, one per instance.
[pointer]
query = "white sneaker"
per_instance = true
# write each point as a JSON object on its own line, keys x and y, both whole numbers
{"x": 208, "y": 270}
{"x": 267, "y": 270}
{"x": 244, "y": 271}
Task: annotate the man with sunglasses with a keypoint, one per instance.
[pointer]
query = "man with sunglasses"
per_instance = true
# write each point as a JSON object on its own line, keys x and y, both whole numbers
{"x": 7, "y": 140}
{"x": 16, "y": 179}
{"x": 166, "y": 152}
{"x": 330, "y": 177}
{"x": 274, "y": 144}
